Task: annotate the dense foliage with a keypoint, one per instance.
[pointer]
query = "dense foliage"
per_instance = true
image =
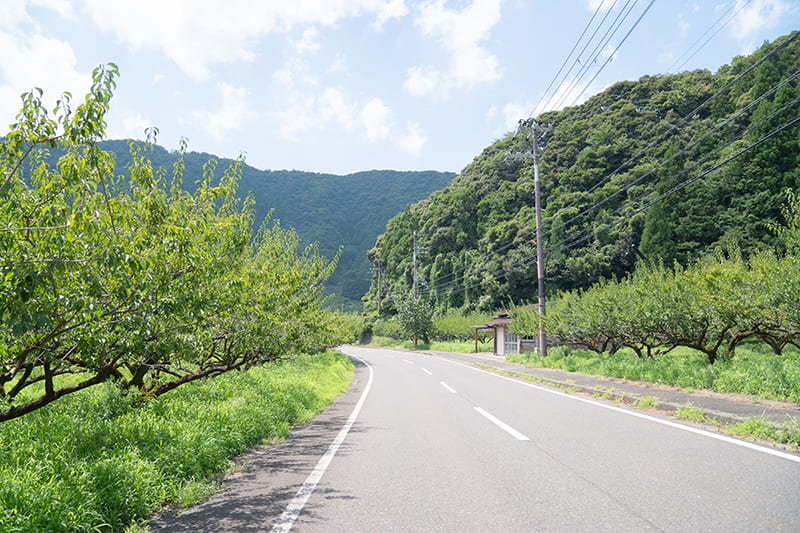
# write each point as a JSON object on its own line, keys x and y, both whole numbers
{"x": 127, "y": 276}
{"x": 338, "y": 212}
{"x": 669, "y": 167}
{"x": 99, "y": 460}
{"x": 711, "y": 306}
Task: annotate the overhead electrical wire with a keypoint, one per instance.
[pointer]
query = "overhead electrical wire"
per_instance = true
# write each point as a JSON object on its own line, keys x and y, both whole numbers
{"x": 611, "y": 56}
{"x": 529, "y": 260}
{"x": 576, "y": 238}
{"x": 694, "y": 143}
{"x": 623, "y": 14}
{"x": 673, "y": 128}
{"x": 576, "y": 61}
{"x": 432, "y": 286}
{"x": 728, "y": 21}
{"x": 550, "y": 85}
{"x": 566, "y": 59}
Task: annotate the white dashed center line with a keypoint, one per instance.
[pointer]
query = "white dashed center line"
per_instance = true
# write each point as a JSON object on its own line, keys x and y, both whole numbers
{"x": 502, "y": 425}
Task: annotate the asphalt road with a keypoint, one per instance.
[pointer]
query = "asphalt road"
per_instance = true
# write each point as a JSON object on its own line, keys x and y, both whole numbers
{"x": 439, "y": 446}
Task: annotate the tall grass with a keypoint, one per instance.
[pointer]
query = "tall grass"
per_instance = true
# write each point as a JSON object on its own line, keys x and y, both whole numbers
{"x": 439, "y": 346}
{"x": 752, "y": 371}
{"x": 98, "y": 460}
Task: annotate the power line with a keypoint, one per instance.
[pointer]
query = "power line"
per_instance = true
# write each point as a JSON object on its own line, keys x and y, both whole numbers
{"x": 577, "y": 59}
{"x": 685, "y": 183}
{"x": 576, "y": 239}
{"x": 728, "y": 21}
{"x": 646, "y": 206}
{"x": 434, "y": 287}
{"x": 673, "y": 128}
{"x": 611, "y": 56}
{"x": 615, "y": 25}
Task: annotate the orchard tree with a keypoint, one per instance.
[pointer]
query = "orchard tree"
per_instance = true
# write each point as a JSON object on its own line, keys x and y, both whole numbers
{"x": 129, "y": 277}
{"x": 415, "y": 317}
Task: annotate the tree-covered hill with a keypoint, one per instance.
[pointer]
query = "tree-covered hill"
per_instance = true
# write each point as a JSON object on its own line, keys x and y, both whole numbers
{"x": 669, "y": 167}
{"x": 335, "y": 211}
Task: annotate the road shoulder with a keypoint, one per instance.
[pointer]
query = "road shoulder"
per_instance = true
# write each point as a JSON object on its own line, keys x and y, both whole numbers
{"x": 267, "y": 477}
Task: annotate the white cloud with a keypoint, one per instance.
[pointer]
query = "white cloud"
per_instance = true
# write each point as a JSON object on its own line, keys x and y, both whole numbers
{"x": 491, "y": 112}
{"x": 375, "y": 117}
{"x": 307, "y": 113}
{"x": 605, "y": 5}
{"x": 232, "y": 114}
{"x": 308, "y": 43}
{"x": 29, "y": 61}
{"x": 683, "y": 26}
{"x": 393, "y": 9}
{"x": 513, "y": 112}
{"x": 422, "y": 81}
{"x": 338, "y": 64}
{"x": 412, "y": 141}
{"x": 460, "y": 33}
{"x": 15, "y": 12}
{"x": 758, "y": 15}
{"x": 294, "y": 72}
{"x": 334, "y": 106}
{"x": 297, "y": 118}
{"x": 197, "y": 34}
{"x": 157, "y": 78}
{"x": 130, "y": 127}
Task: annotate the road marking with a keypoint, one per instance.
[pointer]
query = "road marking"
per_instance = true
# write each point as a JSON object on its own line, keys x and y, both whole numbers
{"x": 448, "y": 387}
{"x": 690, "y": 429}
{"x": 407, "y": 361}
{"x": 502, "y": 425}
{"x": 427, "y": 371}
{"x": 292, "y": 511}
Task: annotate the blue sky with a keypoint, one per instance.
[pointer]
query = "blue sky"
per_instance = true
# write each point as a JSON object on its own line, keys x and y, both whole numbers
{"x": 346, "y": 85}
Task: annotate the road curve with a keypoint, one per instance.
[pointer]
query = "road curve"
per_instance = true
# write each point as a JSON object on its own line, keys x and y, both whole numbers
{"x": 440, "y": 446}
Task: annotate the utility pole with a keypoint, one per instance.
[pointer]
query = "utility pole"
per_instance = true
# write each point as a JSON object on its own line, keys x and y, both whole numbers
{"x": 529, "y": 126}
{"x": 416, "y": 249}
{"x": 415, "y": 265}
{"x": 379, "y": 285}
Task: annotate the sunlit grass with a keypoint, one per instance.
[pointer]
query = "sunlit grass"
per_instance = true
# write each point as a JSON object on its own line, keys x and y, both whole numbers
{"x": 752, "y": 371}
{"x": 98, "y": 460}
{"x": 438, "y": 346}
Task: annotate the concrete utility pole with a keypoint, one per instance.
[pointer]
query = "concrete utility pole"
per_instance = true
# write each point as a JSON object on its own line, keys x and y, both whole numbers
{"x": 380, "y": 283}
{"x": 416, "y": 234}
{"x": 529, "y": 126}
{"x": 415, "y": 265}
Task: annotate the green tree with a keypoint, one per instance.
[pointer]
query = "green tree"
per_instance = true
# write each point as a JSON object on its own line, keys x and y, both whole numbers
{"x": 415, "y": 317}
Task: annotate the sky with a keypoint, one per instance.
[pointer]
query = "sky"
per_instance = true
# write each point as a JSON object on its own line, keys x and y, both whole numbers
{"x": 340, "y": 86}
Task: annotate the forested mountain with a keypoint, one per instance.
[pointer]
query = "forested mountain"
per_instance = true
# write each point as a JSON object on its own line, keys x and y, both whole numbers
{"x": 335, "y": 211}
{"x": 667, "y": 168}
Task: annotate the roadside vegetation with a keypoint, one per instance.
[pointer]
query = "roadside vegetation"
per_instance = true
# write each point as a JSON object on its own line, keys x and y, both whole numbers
{"x": 752, "y": 371}
{"x": 446, "y": 332}
{"x": 120, "y": 274}
{"x": 102, "y": 459}
{"x": 122, "y": 295}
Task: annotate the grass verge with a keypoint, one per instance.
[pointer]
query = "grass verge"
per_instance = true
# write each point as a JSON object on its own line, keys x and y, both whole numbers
{"x": 439, "y": 346}
{"x": 98, "y": 460}
{"x": 751, "y": 372}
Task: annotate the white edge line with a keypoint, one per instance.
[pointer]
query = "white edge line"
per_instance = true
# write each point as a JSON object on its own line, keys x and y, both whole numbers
{"x": 448, "y": 387}
{"x": 690, "y": 429}
{"x": 502, "y": 425}
{"x": 292, "y": 511}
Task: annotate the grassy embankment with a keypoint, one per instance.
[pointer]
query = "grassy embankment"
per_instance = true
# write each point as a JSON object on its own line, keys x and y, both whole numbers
{"x": 439, "y": 346}
{"x": 754, "y": 371}
{"x": 99, "y": 461}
